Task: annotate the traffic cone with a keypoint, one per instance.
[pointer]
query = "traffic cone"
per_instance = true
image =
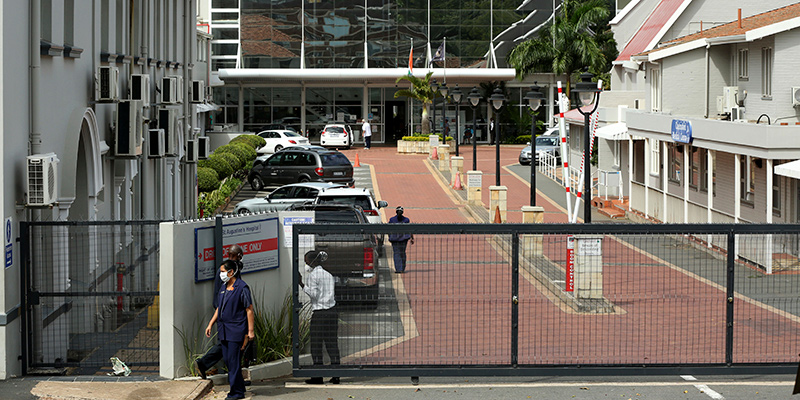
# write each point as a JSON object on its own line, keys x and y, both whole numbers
{"x": 434, "y": 154}
{"x": 357, "y": 163}
{"x": 457, "y": 184}
{"x": 497, "y": 218}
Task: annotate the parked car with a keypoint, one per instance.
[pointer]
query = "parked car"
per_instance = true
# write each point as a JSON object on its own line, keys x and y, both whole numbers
{"x": 278, "y": 139}
{"x": 549, "y": 144}
{"x": 352, "y": 257}
{"x": 336, "y": 135}
{"x": 287, "y": 123}
{"x": 290, "y": 166}
{"x": 359, "y": 197}
{"x": 283, "y": 197}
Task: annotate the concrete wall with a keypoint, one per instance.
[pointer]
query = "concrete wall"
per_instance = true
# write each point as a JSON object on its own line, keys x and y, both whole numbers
{"x": 682, "y": 81}
{"x": 184, "y": 303}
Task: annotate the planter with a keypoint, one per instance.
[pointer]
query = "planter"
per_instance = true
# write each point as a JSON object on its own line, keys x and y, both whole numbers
{"x": 422, "y": 147}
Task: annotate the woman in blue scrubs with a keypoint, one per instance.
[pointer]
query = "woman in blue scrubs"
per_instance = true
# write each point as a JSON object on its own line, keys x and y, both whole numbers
{"x": 235, "y": 324}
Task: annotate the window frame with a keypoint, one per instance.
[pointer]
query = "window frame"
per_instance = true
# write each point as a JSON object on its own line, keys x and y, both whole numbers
{"x": 742, "y": 61}
{"x": 655, "y": 90}
{"x": 675, "y": 163}
{"x": 655, "y": 157}
{"x": 767, "y": 64}
{"x": 747, "y": 192}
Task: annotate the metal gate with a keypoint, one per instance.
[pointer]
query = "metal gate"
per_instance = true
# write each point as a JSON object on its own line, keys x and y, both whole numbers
{"x": 91, "y": 293}
{"x": 563, "y": 299}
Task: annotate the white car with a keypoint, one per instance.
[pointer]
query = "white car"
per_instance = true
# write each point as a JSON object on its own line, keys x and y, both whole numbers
{"x": 278, "y": 139}
{"x": 336, "y": 135}
{"x": 361, "y": 197}
{"x": 282, "y": 197}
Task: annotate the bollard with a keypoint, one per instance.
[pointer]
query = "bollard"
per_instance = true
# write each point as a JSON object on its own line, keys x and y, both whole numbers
{"x": 444, "y": 157}
{"x": 532, "y": 244}
{"x": 498, "y": 201}
{"x": 474, "y": 182}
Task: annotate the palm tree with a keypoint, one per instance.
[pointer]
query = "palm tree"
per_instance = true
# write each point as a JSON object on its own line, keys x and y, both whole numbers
{"x": 576, "y": 43}
{"x": 421, "y": 91}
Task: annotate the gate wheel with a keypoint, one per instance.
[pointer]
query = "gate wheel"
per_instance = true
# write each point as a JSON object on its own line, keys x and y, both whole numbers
{"x": 415, "y": 380}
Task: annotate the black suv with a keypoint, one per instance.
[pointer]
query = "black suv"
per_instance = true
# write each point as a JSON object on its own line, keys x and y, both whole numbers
{"x": 352, "y": 257}
{"x": 301, "y": 165}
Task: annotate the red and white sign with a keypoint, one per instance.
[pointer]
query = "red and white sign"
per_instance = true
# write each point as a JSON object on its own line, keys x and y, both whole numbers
{"x": 258, "y": 240}
{"x": 570, "y": 264}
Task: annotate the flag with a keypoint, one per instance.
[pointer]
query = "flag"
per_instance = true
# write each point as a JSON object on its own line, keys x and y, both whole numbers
{"x": 439, "y": 55}
{"x": 411, "y": 60}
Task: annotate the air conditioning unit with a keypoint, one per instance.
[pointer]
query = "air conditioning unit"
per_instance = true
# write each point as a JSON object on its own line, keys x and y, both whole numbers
{"x": 168, "y": 123}
{"x": 729, "y": 95}
{"x": 795, "y": 96}
{"x": 178, "y": 88}
{"x": 106, "y": 84}
{"x": 737, "y": 114}
{"x": 155, "y": 143}
{"x": 191, "y": 151}
{"x": 42, "y": 177}
{"x": 198, "y": 91}
{"x": 203, "y": 147}
{"x": 128, "y": 135}
{"x": 169, "y": 90}
{"x": 140, "y": 88}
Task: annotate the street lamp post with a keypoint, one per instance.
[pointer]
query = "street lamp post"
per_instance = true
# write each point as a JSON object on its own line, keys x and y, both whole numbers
{"x": 456, "y": 96}
{"x": 534, "y": 98}
{"x": 588, "y": 93}
{"x": 444, "y": 90}
{"x": 498, "y": 100}
{"x": 435, "y": 88}
{"x": 474, "y": 98}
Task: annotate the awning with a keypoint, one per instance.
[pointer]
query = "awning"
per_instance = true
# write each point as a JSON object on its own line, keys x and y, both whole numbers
{"x": 617, "y": 131}
{"x": 790, "y": 169}
{"x": 360, "y": 75}
{"x": 205, "y": 107}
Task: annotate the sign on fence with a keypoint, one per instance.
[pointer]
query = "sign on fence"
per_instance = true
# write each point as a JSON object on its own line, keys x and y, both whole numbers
{"x": 258, "y": 239}
{"x": 570, "y": 280}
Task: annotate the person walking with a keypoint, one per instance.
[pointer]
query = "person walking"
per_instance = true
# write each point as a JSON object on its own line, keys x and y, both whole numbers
{"x": 366, "y": 128}
{"x": 214, "y": 354}
{"x": 235, "y": 325}
{"x": 400, "y": 241}
{"x": 324, "y": 317}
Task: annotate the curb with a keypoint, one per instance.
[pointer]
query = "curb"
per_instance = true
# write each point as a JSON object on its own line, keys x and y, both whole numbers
{"x": 270, "y": 370}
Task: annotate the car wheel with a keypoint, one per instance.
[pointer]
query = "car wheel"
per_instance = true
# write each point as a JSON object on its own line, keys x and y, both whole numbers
{"x": 278, "y": 148}
{"x": 257, "y": 183}
{"x": 303, "y": 179}
{"x": 243, "y": 211}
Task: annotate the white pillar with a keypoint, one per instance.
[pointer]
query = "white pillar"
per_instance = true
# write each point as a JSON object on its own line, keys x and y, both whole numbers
{"x": 770, "y": 200}
{"x": 710, "y": 189}
{"x": 647, "y": 161}
{"x": 630, "y": 172}
{"x": 664, "y": 180}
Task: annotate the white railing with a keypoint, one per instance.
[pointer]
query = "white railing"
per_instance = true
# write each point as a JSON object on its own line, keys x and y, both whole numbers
{"x": 548, "y": 165}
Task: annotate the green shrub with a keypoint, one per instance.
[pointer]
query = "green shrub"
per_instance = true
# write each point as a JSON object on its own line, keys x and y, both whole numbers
{"x": 253, "y": 141}
{"x": 207, "y": 179}
{"x": 422, "y": 138}
{"x": 274, "y": 329}
{"x": 522, "y": 139}
{"x": 209, "y": 202}
{"x": 218, "y": 164}
{"x": 241, "y": 150}
{"x": 235, "y": 162}
{"x": 249, "y": 152}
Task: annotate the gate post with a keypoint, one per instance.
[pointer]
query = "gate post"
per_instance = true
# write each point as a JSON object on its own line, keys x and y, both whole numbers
{"x": 729, "y": 299}
{"x": 514, "y": 299}
{"x": 24, "y": 271}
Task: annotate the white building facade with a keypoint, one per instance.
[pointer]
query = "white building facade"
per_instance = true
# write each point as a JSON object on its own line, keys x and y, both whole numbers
{"x": 70, "y": 70}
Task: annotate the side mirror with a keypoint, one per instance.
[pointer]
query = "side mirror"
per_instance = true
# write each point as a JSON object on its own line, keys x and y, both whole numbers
{"x": 383, "y": 204}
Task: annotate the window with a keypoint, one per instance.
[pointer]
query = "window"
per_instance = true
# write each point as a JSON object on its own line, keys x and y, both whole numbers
{"x": 747, "y": 183}
{"x": 695, "y": 165}
{"x": 675, "y": 152}
{"x": 743, "y": 59}
{"x": 69, "y": 21}
{"x": 281, "y": 193}
{"x": 655, "y": 157}
{"x": 766, "y": 72}
{"x": 776, "y": 194}
{"x": 655, "y": 90}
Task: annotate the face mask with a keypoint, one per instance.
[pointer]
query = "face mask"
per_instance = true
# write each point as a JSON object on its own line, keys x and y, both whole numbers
{"x": 399, "y": 213}
{"x": 224, "y": 276}
{"x": 308, "y": 268}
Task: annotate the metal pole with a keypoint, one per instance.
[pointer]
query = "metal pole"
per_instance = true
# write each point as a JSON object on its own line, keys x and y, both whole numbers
{"x": 533, "y": 158}
{"x": 474, "y": 139}
{"x": 587, "y": 171}
{"x": 497, "y": 146}
{"x": 731, "y": 263}
{"x": 514, "y": 299}
{"x": 433, "y": 108}
{"x": 457, "y": 136}
{"x": 444, "y": 120}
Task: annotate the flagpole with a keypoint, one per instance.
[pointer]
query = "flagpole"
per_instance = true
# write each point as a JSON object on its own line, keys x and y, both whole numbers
{"x": 444, "y": 60}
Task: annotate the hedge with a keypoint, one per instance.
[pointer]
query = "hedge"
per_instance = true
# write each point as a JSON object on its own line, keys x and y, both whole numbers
{"x": 253, "y": 141}
{"x": 207, "y": 179}
{"x": 241, "y": 150}
{"x": 422, "y": 138}
{"x": 218, "y": 164}
{"x": 235, "y": 162}
{"x": 522, "y": 139}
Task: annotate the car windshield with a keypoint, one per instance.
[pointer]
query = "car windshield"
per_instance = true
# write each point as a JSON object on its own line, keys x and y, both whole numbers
{"x": 291, "y": 134}
{"x": 334, "y": 129}
{"x": 546, "y": 141}
{"x": 336, "y": 217}
{"x": 361, "y": 201}
{"x": 334, "y": 160}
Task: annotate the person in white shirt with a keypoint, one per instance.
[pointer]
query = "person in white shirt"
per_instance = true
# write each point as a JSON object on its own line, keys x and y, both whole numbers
{"x": 325, "y": 318}
{"x": 367, "y": 129}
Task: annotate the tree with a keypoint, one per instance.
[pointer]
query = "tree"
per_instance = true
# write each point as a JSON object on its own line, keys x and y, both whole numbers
{"x": 421, "y": 91}
{"x": 577, "y": 45}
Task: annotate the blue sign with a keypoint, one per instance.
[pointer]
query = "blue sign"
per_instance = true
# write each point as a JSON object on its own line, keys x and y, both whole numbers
{"x": 9, "y": 243}
{"x": 681, "y": 131}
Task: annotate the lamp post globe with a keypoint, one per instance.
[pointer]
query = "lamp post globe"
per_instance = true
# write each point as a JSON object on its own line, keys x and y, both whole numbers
{"x": 456, "y": 96}
{"x": 497, "y": 100}
{"x": 588, "y": 94}
{"x": 534, "y": 98}
{"x": 474, "y": 98}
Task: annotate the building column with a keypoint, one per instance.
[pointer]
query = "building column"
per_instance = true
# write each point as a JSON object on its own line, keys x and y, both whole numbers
{"x": 664, "y": 180}
{"x": 770, "y": 200}
{"x": 647, "y": 162}
{"x": 686, "y": 175}
{"x": 240, "y": 110}
{"x": 630, "y": 172}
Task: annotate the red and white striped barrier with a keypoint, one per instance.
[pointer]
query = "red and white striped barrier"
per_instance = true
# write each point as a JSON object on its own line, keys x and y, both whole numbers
{"x": 593, "y": 121}
{"x": 563, "y": 106}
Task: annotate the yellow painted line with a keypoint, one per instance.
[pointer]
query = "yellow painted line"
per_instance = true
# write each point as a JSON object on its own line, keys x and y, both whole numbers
{"x": 467, "y": 385}
{"x": 376, "y": 191}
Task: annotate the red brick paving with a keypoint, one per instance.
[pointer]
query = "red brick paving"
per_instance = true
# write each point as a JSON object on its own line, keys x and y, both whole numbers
{"x": 459, "y": 292}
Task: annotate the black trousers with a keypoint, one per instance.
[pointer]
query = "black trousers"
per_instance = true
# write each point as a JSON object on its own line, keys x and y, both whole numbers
{"x": 325, "y": 330}
{"x": 213, "y": 356}
{"x": 367, "y": 141}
